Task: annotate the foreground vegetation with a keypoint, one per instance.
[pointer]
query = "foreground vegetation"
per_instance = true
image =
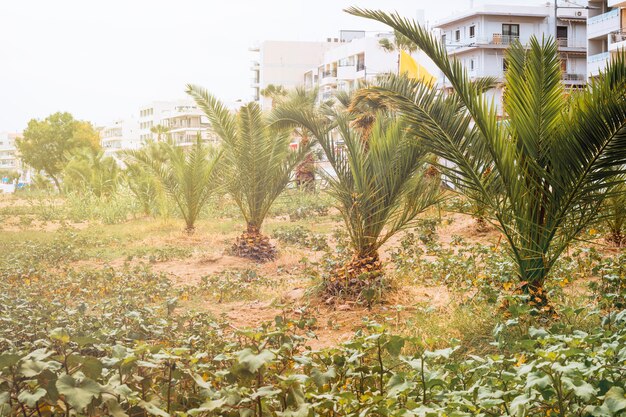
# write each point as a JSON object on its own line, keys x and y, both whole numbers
{"x": 83, "y": 334}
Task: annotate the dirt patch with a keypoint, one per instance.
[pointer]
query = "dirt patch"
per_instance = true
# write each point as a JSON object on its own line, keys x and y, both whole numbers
{"x": 189, "y": 271}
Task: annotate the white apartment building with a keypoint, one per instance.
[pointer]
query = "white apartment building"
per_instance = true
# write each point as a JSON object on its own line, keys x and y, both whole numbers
{"x": 606, "y": 33}
{"x": 282, "y": 63}
{"x": 479, "y": 39}
{"x": 10, "y": 162}
{"x": 185, "y": 122}
{"x": 356, "y": 58}
{"x": 121, "y": 134}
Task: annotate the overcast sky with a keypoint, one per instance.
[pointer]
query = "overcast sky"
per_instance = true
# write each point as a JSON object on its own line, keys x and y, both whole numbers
{"x": 102, "y": 59}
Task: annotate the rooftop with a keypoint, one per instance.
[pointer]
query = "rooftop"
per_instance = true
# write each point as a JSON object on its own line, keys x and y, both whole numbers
{"x": 497, "y": 10}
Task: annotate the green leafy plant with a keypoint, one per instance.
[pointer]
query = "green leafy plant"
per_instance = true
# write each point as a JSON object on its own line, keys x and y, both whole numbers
{"x": 375, "y": 202}
{"x": 258, "y": 164}
{"x": 189, "y": 177}
{"x": 555, "y": 159}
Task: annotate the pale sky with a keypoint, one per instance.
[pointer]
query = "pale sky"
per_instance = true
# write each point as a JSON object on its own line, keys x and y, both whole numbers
{"x": 102, "y": 59}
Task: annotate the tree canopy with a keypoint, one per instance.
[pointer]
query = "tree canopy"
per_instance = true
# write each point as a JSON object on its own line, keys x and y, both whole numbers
{"x": 47, "y": 145}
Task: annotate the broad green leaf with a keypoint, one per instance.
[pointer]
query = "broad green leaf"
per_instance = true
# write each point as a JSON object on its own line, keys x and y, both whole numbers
{"x": 31, "y": 398}
{"x": 78, "y": 392}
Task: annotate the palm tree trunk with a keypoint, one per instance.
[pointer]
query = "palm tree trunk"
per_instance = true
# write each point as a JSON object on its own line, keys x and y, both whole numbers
{"x": 358, "y": 279}
{"x": 252, "y": 244}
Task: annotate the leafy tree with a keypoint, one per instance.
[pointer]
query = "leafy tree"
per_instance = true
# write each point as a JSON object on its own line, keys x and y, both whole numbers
{"x": 188, "y": 176}
{"x": 555, "y": 160}
{"x": 47, "y": 144}
{"x": 380, "y": 186}
{"x": 258, "y": 164}
{"x": 89, "y": 170}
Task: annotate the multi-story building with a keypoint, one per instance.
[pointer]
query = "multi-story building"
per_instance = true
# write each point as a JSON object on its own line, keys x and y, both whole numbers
{"x": 479, "y": 39}
{"x": 185, "y": 123}
{"x": 121, "y": 134}
{"x": 153, "y": 114}
{"x": 606, "y": 33}
{"x": 282, "y": 63}
{"x": 356, "y": 58}
{"x": 11, "y": 163}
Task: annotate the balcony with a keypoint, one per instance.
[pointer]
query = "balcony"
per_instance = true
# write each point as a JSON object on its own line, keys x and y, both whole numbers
{"x": 572, "y": 45}
{"x": 603, "y": 24}
{"x": 574, "y": 79}
{"x": 329, "y": 77}
{"x": 616, "y": 3}
{"x": 617, "y": 41}
{"x": 500, "y": 39}
{"x": 596, "y": 63}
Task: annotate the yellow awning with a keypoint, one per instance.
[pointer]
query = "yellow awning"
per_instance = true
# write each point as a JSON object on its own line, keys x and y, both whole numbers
{"x": 414, "y": 70}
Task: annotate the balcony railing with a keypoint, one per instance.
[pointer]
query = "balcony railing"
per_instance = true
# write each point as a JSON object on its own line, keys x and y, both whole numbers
{"x": 603, "y": 17}
{"x": 500, "y": 39}
{"x": 598, "y": 57}
{"x": 569, "y": 43}
{"x": 574, "y": 77}
{"x": 618, "y": 36}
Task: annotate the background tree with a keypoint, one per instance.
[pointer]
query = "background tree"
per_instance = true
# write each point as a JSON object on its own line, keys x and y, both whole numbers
{"x": 305, "y": 171}
{"x": 89, "y": 170}
{"x": 162, "y": 132}
{"x": 188, "y": 176}
{"x": 555, "y": 160}
{"x": 258, "y": 164}
{"x": 380, "y": 187}
{"x": 10, "y": 175}
{"x": 615, "y": 209}
{"x": 47, "y": 144}
{"x": 139, "y": 179}
{"x": 274, "y": 92}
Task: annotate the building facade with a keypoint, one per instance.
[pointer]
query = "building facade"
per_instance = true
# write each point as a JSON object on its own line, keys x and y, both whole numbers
{"x": 479, "y": 38}
{"x": 11, "y": 163}
{"x": 121, "y": 134}
{"x": 355, "y": 59}
{"x": 185, "y": 123}
{"x": 282, "y": 63}
{"x": 606, "y": 33}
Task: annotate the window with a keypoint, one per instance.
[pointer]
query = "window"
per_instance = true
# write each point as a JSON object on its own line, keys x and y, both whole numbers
{"x": 510, "y": 30}
{"x": 472, "y": 31}
{"x": 505, "y": 64}
{"x": 457, "y": 35}
{"x": 443, "y": 38}
{"x": 472, "y": 64}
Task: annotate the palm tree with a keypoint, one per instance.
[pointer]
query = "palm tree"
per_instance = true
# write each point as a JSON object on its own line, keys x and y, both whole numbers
{"x": 89, "y": 170}
{"x": 380, "y": 187}
{"x": 276, "y": 93}
{"x": 615, "y": 209}
{"x": 162, "y": 132}
{"x": 554, "y": 160}
{"x": 139, "y": 179}
{"x": 188, "y": 176}
{"x": 258, "y": 164}
{"x": 305, "y": 171}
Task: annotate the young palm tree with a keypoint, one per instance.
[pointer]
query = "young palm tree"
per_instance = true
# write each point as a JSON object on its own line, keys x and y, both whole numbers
{"x": 380, "y": 187}
{"x": 139, "y": 179}
{"x": 554, "y": 161}
{"x": 258, "y": 163}
{"x": 188, "y": 176}
{"x": 305, "y": 171}
{"x": 615, "y": 209}
{"x": 89, "y": 170}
